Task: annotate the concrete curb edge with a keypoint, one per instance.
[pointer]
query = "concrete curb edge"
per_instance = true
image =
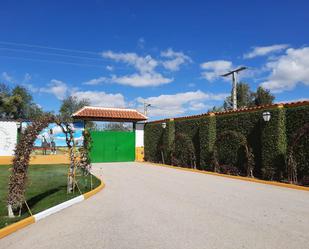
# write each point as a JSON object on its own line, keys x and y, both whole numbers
{"x": 41, "y": 215}
{"x": 243, "y": 178}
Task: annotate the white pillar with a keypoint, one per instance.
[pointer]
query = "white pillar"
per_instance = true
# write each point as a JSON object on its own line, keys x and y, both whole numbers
{"x": 139, "y": 135}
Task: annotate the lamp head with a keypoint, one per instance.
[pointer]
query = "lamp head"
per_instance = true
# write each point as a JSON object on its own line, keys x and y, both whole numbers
{"x": 266, "y": 116}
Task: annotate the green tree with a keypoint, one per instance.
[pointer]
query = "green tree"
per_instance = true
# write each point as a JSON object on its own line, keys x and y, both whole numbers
{"x": 247, "y": 98}
{"x": 244, "y": 97}
{"x": 263, "y": 97}
{"x": 70, "y": 105}
{"x": 216, "y": 109}
{"x": 17, "y": 103}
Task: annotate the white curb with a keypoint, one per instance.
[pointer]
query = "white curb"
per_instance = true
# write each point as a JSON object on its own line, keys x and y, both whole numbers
{"x": 58, "y": 207}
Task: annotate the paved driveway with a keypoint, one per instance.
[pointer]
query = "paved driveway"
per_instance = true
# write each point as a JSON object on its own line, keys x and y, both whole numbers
{"x": 145, "y": 207}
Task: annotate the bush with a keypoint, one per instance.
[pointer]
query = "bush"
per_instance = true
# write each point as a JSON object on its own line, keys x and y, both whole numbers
{"x": 153, "y": 140}
{"x": 207, "y": 134}
{"x": 190, "y": 130}
{"x": 232, "y": 154}
{"x": 274, "y": 146}
{"x": 183, "y": 153}
{"x": 249, "y": 125}
{"x": 297, "y": 118}
{"x": 266, "y": 142}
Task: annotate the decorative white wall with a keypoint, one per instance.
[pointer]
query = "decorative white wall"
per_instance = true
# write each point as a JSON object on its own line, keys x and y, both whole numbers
{"x": 139, "y": 135}
{"x": 8, "y": 138}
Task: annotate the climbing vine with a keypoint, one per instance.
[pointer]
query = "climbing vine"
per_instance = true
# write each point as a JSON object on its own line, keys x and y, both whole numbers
{"x": 85, "y": 161}
{"x": 232, "y": 154}
{"x": 24, "y": 147}
{"x": 18, "y": 178}
{"x": 291, "y": 163}
{"x": 183, "y": 152}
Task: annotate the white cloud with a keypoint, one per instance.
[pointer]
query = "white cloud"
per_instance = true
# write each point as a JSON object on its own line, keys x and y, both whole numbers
{"x": 179, "y": 103}
{"x": 141, "y": 80}
{"x": 146, "y": 75}
{"x": 27, "y": 78}
{"x": 96, "y": 81}
{"x": 213, "y": 69}
{"x": 32, "y": 88}
{"x": 100, "y": 98}
{"x": 57, "y": 88}
{"x": 109, "y": 68}
{"x": 8, "y": 78}
{"x": 288, "y": 70}
{"x": 176, "y": 59}
{"x": 261, "y": 51}
{"x": 197, "y": 106}
{"x": 141, "y": 43}
{"x": 143, "y": 64}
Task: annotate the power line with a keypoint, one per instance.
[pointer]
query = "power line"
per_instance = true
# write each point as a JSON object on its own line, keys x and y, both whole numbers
{"x": 53, "y": 54}
{"x": 47, "y": 47}
{"x": 51, "y": 61}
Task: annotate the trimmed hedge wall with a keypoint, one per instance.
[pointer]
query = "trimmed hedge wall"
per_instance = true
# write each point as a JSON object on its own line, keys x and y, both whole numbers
{"x": 296, "y": 118}
{"x": 153, "y": 140}
{"x": 190, "y": 130}
{"x": 207, "y": 141}
{"x": 268, "y": 140}
{"x": 274, "y": 145}
{"x": 247, "y": 124}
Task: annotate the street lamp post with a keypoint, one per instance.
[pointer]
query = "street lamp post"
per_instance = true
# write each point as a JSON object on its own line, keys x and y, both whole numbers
{"x": 146, "y": 105}
{"x": 266, "y": 116}
{"x": 234, "y": 74}
{"x": 162, "y": 153}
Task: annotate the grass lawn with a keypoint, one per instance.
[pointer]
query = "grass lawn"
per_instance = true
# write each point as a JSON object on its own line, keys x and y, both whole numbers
{"x": 46, "y": 188}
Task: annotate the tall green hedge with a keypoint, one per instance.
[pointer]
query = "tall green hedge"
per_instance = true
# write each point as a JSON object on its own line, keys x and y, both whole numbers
{"x": 269, "y": 140}
{"x": 190, "y": 129}
{"x": 153, "y": 140}
{"x": 207, "y": 141}
{"x": 159, "y": 141}
{"x": 249, "y": 125}
{"x": 296, "y": 118}
{"x": 274, "y": 145}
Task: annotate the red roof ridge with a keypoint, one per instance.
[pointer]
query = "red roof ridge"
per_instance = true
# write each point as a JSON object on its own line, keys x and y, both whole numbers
{"x": 105, "y": 113}
{"x": 240, "y": 110}
{"x": 106, "y": 108}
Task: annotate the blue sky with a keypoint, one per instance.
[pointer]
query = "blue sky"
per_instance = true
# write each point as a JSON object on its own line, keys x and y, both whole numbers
{"x": 169, "y": 54}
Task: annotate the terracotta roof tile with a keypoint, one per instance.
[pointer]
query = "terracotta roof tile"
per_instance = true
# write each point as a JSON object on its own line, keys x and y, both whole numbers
{"x": 108, "y": 114}
{"x": 240, "y": 110}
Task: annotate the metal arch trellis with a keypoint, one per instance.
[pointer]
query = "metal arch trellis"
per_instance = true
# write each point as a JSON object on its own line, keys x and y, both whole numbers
{"x": 18, "y": 178}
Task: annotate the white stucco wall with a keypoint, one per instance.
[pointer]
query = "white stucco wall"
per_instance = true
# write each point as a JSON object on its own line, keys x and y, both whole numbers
{"x": 8, "y": 138}
{"x": 139, "y": 135}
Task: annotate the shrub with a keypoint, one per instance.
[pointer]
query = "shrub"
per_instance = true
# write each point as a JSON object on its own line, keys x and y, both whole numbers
{"x": 297, "y": 119}
{"x": 274, "y": 145}
{"x": 183, "y": 153}
{"x": 264, "y": 154}
{"x": 249, "y": 125}
{"x": 207, "y": 134}
{"x": 190, "y": 130}
{"x": 232, "y": 154}
{"x": 153, "y": 140}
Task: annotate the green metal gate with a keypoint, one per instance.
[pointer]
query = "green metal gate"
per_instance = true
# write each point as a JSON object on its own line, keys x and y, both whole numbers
{"x": 112, "y": 146}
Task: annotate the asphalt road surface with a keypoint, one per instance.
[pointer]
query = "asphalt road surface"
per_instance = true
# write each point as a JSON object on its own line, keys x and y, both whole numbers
{"x": 145, "y": 207}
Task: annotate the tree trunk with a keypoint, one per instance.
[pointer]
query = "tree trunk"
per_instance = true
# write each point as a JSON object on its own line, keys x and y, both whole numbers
{"x": 70, "y": 185}
{"x": 10, "y": 211}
